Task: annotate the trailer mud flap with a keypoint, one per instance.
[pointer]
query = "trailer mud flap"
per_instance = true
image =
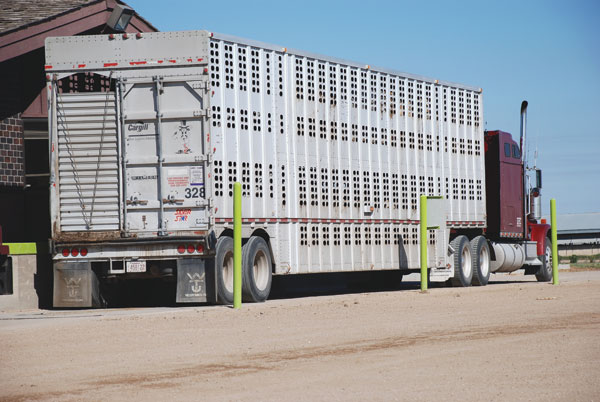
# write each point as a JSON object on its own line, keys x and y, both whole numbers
{"x": 76, "y": 285}
{"x": 195, "y": 281}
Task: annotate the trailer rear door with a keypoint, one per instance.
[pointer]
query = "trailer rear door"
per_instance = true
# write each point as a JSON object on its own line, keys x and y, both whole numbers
{"x": 87, "y": 161}
{"x": 164, "y": 125}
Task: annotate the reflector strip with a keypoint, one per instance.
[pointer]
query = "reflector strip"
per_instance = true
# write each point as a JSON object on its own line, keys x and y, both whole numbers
{"x": 357, "y": 221}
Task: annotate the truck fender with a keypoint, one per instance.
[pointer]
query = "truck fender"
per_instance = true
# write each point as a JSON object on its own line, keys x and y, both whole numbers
{"x": 539, "y": 232}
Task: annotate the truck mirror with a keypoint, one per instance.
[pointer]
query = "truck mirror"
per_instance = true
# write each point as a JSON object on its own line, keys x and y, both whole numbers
{"x": 538, "y": 178}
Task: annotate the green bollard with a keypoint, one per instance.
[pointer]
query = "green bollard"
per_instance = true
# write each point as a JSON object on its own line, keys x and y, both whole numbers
{"x": 554, "y": 242}
{"x": 237, "y": 245}
{"x": 423, "y": 242}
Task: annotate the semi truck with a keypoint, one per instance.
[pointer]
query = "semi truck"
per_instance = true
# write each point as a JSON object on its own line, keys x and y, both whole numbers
{"x": 150, "y": 131}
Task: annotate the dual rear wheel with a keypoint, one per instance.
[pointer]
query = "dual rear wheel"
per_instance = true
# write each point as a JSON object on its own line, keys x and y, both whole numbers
{"x": 256, "y": 270}
{"x": 471, "y": 261}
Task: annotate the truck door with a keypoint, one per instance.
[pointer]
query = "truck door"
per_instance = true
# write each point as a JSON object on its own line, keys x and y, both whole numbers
{"x": 164, "y": 156}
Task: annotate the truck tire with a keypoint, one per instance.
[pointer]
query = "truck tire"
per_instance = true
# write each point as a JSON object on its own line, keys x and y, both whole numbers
{"x": 480, "y": 254}
{"x": 224, "y": 270}
{"x": 463, "y": 268}
{"x": 256, "y": 270}
{"x": 545, "y": 272}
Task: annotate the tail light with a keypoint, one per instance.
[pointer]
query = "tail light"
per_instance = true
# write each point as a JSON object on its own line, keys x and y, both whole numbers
{"x": 190, "y": 248}
{"x": 83, "y": 252}
{"x": 74, "y": 252}
{"x": 66, "y": 252}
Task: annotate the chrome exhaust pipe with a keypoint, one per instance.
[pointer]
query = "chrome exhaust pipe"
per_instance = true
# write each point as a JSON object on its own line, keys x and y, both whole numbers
{"x": 523, "y": 130}
{"x": 526, "y": 195}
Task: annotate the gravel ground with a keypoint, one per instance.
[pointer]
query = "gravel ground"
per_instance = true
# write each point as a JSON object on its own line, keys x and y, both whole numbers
{"x": 514, "y": 339}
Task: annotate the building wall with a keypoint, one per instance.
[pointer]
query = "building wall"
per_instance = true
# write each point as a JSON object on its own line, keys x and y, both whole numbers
{"x": 12, "y": 158}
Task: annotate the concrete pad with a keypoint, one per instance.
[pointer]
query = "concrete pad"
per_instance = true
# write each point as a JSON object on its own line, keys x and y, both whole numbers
{"x": 24, "y": 296}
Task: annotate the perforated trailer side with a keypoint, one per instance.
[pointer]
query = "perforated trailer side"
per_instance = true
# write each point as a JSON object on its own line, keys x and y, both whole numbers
{"x": 333, "y": 155}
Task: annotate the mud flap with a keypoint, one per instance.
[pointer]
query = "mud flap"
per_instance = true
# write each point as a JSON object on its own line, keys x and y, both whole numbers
{"x": 195, "y": 281}
{"x": 76, "y": 285}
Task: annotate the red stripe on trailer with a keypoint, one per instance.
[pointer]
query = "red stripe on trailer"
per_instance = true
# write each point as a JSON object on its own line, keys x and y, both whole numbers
{"x": 190, "y": 60}
{"x": 200, "y": 59}
{"x": 81, "y": 65}
{"x": 172, "y": 61}
{"x": 160, "y": 61}
{"x": 48, "y": 67}
{"x": 136, "y": 63}
{"x": 110, "y": 64}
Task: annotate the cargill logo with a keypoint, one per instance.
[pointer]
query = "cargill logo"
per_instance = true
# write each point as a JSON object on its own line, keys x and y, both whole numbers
{"x": 137, "y": 127}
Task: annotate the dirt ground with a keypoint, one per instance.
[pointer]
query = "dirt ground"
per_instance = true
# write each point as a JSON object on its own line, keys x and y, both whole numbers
{"x": 514, "y": 339}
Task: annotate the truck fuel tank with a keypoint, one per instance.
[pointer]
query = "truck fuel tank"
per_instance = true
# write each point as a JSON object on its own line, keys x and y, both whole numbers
{"x": 509, "y": 257}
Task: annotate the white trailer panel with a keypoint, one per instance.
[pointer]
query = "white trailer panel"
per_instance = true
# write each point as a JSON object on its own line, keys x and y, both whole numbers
{"x": 348, "y": 148}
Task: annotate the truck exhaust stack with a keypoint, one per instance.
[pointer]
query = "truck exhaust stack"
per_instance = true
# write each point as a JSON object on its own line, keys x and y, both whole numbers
{"x": 523, "y": 130}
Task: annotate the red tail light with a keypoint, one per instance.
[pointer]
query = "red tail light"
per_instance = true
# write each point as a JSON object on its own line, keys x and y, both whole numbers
{"x": 181, "y": 249}
{"x": 74, "y": 252}
{"x": 191, "y": 248}
{"x": 66, "y": 252}
{"x": 200, "y": 248}
{"x": 83, "y": 252}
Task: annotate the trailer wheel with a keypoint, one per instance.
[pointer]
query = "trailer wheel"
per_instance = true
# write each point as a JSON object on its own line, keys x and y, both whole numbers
{"x": 224, "y": 270}
{"x": 463, "y": 269}
{"x": 480, "y": 253}
{"x": 256, "y": 270}
{"x": 545, "y": 272}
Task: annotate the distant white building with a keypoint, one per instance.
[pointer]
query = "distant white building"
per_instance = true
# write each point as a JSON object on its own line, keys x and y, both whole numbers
{"x": 578, "y": 233}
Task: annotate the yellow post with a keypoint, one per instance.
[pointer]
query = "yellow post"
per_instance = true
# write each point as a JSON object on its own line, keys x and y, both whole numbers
{"x": 554, "y": 242}
{"x": 423, "y": 206}
{"x": 237, "y": 245}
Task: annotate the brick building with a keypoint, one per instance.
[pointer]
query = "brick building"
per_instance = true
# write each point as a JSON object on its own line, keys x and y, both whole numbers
{"x": 24, "y": 162}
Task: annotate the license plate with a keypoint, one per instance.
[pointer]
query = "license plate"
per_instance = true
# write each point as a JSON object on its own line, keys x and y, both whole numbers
{"x": 136, "y": 266}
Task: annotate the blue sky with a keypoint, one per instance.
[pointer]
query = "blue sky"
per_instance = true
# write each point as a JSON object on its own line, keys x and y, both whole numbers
{"x": 547, "y": 52}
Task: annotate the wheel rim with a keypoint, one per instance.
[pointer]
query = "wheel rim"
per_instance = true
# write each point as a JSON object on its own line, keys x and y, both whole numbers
{"x": 466, "y": 261}
{"x": 549, "y": 259}
{"x": 484, "y": 261}
{"x": 228, "y": 271}
{"x": 261, "y": 270}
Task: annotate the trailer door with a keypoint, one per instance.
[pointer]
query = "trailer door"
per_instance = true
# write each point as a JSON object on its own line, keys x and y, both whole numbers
{"x": 86, "y": 163}
{"x": 164, "y": 156}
